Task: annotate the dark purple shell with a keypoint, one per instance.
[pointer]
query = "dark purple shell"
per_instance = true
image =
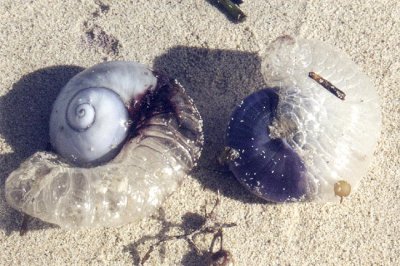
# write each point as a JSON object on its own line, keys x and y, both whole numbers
{"x": 267, "y": 167}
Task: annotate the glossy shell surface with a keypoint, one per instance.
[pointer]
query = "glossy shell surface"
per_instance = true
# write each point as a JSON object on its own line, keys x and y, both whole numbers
{"x": 294, "y": 139}
{"x": 161, "y": 142}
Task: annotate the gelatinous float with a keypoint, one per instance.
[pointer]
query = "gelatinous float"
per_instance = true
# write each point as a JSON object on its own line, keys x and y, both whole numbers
{"x": 123, "y": 138}
{"x": 311, "y": 133}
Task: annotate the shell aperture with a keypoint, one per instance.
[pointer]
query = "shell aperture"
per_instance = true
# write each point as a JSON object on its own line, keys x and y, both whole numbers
{"x": 295, "y": 138}
{"x": 161, "y": 143}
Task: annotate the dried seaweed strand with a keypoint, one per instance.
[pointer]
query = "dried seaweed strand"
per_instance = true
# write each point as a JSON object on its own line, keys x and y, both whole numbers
{"x": 24, "y": 225}
{"x": 206, "y": 228}
{"x": 327, "y": 85}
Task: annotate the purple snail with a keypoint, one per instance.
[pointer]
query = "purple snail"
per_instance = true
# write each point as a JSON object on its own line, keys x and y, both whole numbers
{"x": 311, "y": 133}
{"x": 123, "y": 139}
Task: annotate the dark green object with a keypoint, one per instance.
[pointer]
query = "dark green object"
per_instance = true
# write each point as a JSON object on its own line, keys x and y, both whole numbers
{"x": 232, "y": 10}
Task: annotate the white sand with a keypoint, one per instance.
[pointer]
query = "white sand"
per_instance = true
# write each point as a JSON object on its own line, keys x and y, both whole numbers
{"x": 217, "y": 62}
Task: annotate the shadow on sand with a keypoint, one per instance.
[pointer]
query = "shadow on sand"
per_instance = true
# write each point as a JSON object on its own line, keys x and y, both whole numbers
{"x": 217, "y": 80}
{"x": 24, "y": 124}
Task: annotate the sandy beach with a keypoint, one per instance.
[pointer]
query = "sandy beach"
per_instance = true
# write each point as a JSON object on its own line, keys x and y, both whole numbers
{"x": 43, "y": 43}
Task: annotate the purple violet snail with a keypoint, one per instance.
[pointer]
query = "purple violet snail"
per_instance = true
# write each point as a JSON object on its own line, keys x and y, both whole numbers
{"x": 310, "y": 135}
{"x": 124, "y": 138}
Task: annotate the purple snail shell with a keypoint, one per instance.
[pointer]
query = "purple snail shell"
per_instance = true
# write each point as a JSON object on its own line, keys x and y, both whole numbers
{"x": 124, "y": 138}
{"x": 296, "y": 140}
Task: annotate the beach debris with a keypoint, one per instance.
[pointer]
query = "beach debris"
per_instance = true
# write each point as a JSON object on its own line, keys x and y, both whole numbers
{"x": 227, "y": 155}
{"x": 221, "y": 257}
{"x": 230, "y": 8}
{"x": 205, "y": 224}
{"x": 327, "y": 85}
{"x": 342, "y": 189}
{"x": 23, "y": 229}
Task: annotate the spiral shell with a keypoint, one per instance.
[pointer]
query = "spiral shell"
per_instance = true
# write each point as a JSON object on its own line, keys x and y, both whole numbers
{"x": 296, "y": 140}
{"x": 89, "y": 128}
{"x": 103, "y": 174}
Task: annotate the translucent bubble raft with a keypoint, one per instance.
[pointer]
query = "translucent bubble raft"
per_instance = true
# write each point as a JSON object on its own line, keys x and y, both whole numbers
{"x": 164, "y": 143}
{"x": 311, "y": 134}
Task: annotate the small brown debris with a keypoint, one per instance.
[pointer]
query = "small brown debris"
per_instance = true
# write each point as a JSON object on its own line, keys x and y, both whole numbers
{"x": 327, "y": 85}
{"x": 342, "y": 189}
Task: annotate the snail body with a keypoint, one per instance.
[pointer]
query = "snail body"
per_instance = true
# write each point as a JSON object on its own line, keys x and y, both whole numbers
{"x": 296, "y": 139}
{"x": 124, "y": 139}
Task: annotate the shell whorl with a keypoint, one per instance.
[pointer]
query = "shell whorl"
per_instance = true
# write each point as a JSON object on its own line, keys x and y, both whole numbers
{"x": 80, "y": 117}
{"x": 163, "y": 145}
{"x": 89, "y": 121}
{"x": 95, "y": 125}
